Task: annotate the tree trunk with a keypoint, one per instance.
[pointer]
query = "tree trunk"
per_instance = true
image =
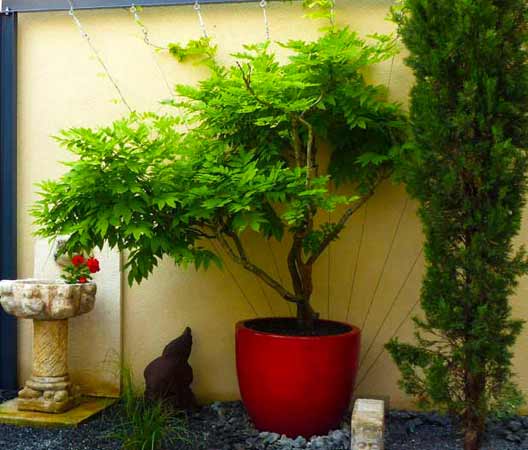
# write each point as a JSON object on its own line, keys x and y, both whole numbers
{"x": 474, "y": 430}
{"x": 301, "y": 276}
{"x": 473, "y": 419}
{"x": 306, "y": 316}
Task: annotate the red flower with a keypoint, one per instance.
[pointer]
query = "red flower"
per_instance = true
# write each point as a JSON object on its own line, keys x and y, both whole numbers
{"x": 77, "y": 260}
{"x": 83, "y": 279}
{"x": 93, "y": 265}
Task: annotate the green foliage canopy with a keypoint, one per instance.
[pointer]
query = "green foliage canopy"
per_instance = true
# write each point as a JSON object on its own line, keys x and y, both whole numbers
{"x": 240, "y": 152}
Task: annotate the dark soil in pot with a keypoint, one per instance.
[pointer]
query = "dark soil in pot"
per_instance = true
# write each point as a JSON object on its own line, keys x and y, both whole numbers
{"x": 287, "y": 326}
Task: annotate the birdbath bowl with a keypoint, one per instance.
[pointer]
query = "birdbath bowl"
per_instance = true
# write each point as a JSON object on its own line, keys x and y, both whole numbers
{"x": 49, "y": 304}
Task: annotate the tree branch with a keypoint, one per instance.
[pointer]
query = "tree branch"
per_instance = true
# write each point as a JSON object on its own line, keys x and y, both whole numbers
{"x": 339, "y": 226}
{"x": 314, "y": 104}
{"x": 240, "y": 257}
{"x": 296, "y": 140}
{"x": 293, "y": 258}
{"x": 246, "y": 77}
{"x": 309, "y": 145}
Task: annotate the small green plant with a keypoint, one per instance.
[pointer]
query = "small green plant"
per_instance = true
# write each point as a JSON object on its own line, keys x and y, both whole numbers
{"x": 320, "y": 9}
{"x": 147, "y": 425}
{"x": 201, "y": 51}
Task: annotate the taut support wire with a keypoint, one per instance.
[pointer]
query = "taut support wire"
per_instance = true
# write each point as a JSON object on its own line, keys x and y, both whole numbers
{"x": 378, "y": 356}
{"x": 146, "y": 35}
{"x": 385, "y": 262}
{"x": 391, "y": 308}
{"x": 263, "y": 4}
{"x": 146, "y": 38}
{"x": 198, "y": 10}
{"x": 100, "y": 60}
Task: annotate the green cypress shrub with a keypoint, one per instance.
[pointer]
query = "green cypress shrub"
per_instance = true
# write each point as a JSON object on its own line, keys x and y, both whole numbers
{"x": 467, "y": 168}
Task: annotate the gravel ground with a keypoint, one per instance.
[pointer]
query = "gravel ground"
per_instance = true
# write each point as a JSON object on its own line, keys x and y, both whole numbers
{"x": 225, "y": 426}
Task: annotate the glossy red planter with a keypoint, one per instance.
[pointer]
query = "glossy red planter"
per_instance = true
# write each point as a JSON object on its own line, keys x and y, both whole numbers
{"x": 297, "y": 386}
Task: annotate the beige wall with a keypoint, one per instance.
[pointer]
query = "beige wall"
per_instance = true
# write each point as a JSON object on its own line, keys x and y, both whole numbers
{"x": 60, "y": 87}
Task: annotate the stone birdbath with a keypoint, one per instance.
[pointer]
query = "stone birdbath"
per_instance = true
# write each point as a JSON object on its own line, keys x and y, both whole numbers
{"x": 49, "y": 304}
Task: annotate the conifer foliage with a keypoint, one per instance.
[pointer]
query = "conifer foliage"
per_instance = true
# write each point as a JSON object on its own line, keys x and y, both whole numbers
{"x": 467, "y": 168}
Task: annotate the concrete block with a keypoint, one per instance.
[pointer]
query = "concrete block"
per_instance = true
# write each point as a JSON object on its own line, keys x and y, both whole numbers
{"x": 368, "y": 424}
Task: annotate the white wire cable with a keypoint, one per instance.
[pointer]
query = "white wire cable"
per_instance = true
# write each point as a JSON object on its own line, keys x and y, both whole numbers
{"x": 263, "y": 4}
{"x": 198, "y": 10}
{"x": 146, "y": 35}
{"x": 146, "y": 38}
{"x": 96, "y": 53}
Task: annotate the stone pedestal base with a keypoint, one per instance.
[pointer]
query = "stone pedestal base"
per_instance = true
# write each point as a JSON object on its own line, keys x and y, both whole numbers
{"x": 48, "y": 394}
{"x": 49, "y": 389}
{"x": 88, "y": 407}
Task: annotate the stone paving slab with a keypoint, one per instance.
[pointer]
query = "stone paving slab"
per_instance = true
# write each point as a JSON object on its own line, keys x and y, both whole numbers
{"x": 9, "y": 414}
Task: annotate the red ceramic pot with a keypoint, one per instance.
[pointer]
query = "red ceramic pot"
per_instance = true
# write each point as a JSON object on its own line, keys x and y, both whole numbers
{"x": 296, "y": 385}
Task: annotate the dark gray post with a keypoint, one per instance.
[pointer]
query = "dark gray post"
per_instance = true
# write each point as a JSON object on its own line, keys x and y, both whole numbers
{"x": 8, "y": 191}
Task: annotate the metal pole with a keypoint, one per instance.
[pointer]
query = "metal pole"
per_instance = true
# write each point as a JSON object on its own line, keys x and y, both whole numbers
{"x": 8, "y": 191}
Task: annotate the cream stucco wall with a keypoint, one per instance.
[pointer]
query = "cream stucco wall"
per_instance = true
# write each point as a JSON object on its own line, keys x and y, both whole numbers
{"x": 60, "y": 86}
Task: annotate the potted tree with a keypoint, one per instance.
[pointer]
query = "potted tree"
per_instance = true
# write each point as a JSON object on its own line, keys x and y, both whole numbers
{"x": 247, "y": 156}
